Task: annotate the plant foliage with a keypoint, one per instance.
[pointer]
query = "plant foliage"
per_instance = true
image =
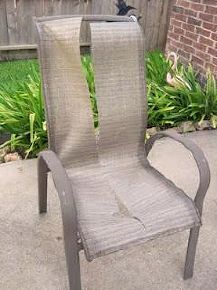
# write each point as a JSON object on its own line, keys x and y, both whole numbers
{"x": 186, "y": 100}
{"x": 22, "y": 109}
{"x": 89, "y": 73}
{"x": 22, "y": 115}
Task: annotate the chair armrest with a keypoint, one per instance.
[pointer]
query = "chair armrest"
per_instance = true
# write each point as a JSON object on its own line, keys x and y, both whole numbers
{"x": 201, "y": 161}
{"x": 48, "y": 161}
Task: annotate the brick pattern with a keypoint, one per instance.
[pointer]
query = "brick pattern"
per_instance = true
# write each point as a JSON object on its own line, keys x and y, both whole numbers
{"x": 193, "y": 33}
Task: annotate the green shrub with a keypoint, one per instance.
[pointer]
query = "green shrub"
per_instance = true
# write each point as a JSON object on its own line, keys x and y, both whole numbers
{"x": 22, "y": 110}
{"x": 192, "y": 101}
{"x": 157, "y": 67}
{"x": 186, "y": 100}
{"x": 89, "y": 73}
{"x": 22, "y": 115}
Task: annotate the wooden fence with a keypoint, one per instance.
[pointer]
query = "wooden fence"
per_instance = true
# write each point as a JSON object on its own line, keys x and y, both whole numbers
{"x": 17, "y": 31}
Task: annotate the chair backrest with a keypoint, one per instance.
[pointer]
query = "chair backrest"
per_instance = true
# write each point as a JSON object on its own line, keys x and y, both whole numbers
{"x": 118, "y": 59}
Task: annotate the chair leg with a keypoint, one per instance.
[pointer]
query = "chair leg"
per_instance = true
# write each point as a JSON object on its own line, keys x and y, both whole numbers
{"x": 71, "y": 245}
{"x": 191, "y": 251}
{"x": 42, "y": 187}
{"x": 69, "y": 219}
{"x": 74, "y": 275}
{"x": 72, "y": 254}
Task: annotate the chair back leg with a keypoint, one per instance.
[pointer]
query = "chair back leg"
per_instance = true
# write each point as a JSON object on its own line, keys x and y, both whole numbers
{"x": 42, "y": 186}
{"x": 191, "y": 251}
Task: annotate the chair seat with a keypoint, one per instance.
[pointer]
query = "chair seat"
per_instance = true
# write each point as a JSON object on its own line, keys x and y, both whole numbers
{"x": 120, "y": 205}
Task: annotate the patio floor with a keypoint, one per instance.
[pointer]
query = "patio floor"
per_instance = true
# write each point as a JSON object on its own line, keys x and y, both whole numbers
{"x": 31, "y": 247}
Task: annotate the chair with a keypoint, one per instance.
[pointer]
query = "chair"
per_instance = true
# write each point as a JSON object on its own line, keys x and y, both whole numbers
{"x": 110, "y": 196}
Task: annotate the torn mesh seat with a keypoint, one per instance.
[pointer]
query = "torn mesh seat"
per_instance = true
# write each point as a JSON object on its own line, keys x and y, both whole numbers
{"x": 128, "y": 204}
{"x": 109, "y": 193}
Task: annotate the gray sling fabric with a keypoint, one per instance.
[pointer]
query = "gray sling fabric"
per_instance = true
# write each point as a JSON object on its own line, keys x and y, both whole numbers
{"x": 118, "y": 55}
{"x": 121, "y": 206}
{"x": 70, "y": 125}
{"x": 120, "y": 199}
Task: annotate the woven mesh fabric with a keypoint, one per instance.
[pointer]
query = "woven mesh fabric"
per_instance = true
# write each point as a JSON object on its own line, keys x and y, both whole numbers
{"x": 120, "y": 199}
{"x": 118, "y": 206}
{"x": 118, "y": 56}
{"x": 69, "y": 116}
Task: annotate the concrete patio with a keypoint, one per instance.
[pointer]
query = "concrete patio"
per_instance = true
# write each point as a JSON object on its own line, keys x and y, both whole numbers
{"x": 31, "y": 247}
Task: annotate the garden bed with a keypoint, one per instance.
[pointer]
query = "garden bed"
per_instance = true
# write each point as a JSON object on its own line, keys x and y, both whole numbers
{"x": 175, "y": 99}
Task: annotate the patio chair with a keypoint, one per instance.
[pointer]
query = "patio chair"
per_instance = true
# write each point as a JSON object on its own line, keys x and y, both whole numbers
{"x": 111, "y": 197}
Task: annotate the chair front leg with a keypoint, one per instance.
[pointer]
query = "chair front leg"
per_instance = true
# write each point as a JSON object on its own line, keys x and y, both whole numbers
{"x": 72, "y": 255}
{"x": 48, "y": 161}
{"x": 191, "y": 251}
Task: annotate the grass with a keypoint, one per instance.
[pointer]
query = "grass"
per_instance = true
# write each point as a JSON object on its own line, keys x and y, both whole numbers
{"x": 14, "y": 72}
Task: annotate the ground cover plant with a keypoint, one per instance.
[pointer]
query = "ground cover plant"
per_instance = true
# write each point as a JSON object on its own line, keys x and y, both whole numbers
{"x": 21, "y": 108}
{"x": 184, "y": 99}
{"x": 174, "y": 95}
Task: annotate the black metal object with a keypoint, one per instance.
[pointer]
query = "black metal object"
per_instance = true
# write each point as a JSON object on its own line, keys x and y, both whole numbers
{"x": 123, "y": 8}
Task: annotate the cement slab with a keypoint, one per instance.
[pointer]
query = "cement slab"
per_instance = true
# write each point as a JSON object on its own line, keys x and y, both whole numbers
{"x": 31, "y": 246}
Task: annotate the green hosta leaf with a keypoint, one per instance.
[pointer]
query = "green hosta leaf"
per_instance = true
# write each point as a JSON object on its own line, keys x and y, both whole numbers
{"x": 213, "y": 121}
{"x": 31, "y": 123}
{"x": 44, "y": 125}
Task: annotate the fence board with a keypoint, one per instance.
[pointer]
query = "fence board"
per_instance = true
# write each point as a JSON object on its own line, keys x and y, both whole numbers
{"x": 70, "y": 7}
{"x": 13, "y": 33}
{"x": 152, "y": 26}
{"x": 164, "y": 23}
{"x": 104, "y": 7}
{"x": 25, "y": 11}
{"x": 3, "y": 23}
{"x": 17, "y": 27}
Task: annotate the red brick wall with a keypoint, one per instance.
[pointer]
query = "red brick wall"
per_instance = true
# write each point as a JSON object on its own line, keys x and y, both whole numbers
{"x": 193, "y": 33}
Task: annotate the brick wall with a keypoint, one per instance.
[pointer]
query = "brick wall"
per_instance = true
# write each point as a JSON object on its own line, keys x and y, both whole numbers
{"x": 193, "y": 33}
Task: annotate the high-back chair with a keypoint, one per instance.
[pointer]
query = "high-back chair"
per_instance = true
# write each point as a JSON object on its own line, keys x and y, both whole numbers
{"x": 111, "y": 197}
